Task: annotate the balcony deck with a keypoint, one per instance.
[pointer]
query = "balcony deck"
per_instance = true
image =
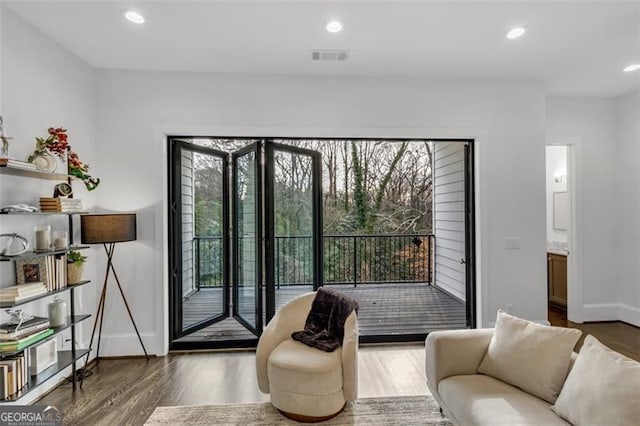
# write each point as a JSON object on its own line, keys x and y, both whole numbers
{"x": 385, "y": 310}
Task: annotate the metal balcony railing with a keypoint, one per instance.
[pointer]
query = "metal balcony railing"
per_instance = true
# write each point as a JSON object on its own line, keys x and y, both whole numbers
{"x": 348, "y": 259}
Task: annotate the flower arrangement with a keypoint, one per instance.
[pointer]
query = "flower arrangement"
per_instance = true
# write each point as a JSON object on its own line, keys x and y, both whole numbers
{"x": 57, "y": 144}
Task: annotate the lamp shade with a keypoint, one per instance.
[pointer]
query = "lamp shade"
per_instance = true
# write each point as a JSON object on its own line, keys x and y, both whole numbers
{"x": 108, "y": 228}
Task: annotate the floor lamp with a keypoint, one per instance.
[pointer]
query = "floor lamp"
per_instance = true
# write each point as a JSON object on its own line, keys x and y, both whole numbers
{"x": 108, "y": 229}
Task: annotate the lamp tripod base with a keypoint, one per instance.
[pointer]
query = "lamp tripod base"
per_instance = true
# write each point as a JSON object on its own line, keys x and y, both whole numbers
{"x": 100, "y": 311}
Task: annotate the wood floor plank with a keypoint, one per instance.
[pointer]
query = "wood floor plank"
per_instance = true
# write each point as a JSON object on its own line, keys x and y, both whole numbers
{"x": 385, "y": 309}
{"x": 126, "y": 391}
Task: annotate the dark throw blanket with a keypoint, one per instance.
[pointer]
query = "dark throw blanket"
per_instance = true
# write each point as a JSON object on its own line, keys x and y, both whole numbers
{"x": 324, "y": 328}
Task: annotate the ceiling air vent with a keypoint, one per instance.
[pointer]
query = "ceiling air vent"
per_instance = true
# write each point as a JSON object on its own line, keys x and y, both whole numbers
{"x": 329, "y": 55}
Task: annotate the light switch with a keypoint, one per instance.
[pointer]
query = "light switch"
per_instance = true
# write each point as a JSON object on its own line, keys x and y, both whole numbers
{"x": 512, "y": 243}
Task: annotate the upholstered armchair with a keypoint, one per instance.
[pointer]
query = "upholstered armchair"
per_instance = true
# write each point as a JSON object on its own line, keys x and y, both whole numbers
{"x": 306, "y": 383}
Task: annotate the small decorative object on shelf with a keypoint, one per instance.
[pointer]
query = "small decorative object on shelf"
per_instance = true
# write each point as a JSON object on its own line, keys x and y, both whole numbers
{"x": 57, "y": 144}
{"x": 62, "y": 190}
{"x": 75, "y": 267}
{"x": 43, "y": 356}
{"x": 79, "y": 169}
{"x": 13, "y": 244}
{"x": 4, "y": 147}
{"x": 57, "y": 312}
{"x": 60, "y": 240}
{"x": 42, "y": 237}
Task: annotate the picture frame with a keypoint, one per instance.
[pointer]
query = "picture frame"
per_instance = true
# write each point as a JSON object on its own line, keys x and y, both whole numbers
{"x": 31, "y": 271}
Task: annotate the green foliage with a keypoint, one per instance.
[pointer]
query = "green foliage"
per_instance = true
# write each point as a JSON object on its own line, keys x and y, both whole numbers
{"x": 76, "y": 257}
{"x": 360, "y": 205}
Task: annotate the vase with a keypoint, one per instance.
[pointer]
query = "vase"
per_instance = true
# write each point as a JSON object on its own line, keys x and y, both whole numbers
{"x": 74, "y": 273}
{"x": 44, "y": 161}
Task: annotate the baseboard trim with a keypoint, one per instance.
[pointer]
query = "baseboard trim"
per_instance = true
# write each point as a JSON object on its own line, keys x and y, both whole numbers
{"x": 629, "y": 314}
{"x": 611, "y": 312}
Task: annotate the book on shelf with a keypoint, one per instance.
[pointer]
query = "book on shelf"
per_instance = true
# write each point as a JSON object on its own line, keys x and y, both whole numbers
{"x": 10, "y": 331}
{"x": 11, "y": 162}
{"x": 20, "y": 344}
{"x": 14, "y": 375}
{"x": 4, "y": 382}
{"x": 12, "y": 295}
{"x": 60, "y": 205}
{"x": 56, "y": 270}
{"x": 21, "y": 289}
{"x": 10, "y": 376}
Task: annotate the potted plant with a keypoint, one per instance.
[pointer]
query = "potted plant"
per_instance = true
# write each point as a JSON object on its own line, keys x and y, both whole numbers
{"x": 75, "y": 267}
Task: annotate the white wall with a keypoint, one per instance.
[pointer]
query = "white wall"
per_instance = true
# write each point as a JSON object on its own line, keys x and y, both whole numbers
{"x": 605, "y": 137}
{"x": 136, "y": 108}
{"x": 43, "y": 85}
{"x": 556, "y": 165}
{"x": 627, "y": 215}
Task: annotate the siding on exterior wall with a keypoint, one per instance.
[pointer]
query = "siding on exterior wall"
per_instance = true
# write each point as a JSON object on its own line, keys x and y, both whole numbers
{"x": 448, "y": 223}
{"x": 188, "y": 225}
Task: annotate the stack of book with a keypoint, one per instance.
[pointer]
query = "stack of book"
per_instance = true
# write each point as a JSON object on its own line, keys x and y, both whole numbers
{"x": 56, "y": 270}
{"x": 21, "y": 292}
{"x": 17, "y": 164}
{"x": 10, "y": 332}
{"x": 23, "y": 342}
{"x": 13, "y": 376}
{"x": 14, "y": 338}
{"x": 60, "y": 205}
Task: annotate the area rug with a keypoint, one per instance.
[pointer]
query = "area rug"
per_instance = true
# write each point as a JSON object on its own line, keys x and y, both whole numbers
{"x": 401, "y": 410}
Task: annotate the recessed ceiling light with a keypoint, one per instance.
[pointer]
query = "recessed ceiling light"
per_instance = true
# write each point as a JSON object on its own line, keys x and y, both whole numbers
{"x": 632, "y": 67}
{"x": 516, "y": 32}
{"x": 133, "y": 16}
{"x": 334, "y": 26}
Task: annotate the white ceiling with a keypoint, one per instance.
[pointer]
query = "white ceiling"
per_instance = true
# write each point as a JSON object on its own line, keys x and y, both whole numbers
{"x": 576, "y": 48}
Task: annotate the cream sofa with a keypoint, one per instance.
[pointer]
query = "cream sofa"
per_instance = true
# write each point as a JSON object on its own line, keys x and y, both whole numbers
{"x": 469, "y": 398}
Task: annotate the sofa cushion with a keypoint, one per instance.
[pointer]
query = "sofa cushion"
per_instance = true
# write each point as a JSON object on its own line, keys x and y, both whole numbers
{"x": 483, "y": 400}
{"x": 603, "y": 387}
{"x": 531, "y": 356}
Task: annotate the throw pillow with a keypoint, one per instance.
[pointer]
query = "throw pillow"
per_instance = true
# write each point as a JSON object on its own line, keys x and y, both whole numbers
{"x": 603, "y": 388}
{"x": 530, "y": 356}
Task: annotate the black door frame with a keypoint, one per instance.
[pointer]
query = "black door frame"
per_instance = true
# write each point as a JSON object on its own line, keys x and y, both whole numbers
{"x": 470, "y": 235}
{"x": 270, "y": 288}
{"x": 176, "y": 146}
{"x": 470, "y": 238}
{"x": 256, "y": 148}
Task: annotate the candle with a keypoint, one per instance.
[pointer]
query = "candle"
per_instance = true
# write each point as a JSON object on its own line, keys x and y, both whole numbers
{"x": 43, "y": 237}
{"x": 60, "y": 240}
{"x": 57, "y": 313}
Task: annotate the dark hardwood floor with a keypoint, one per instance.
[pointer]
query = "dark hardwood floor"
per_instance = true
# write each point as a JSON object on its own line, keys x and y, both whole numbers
{"x": 126, "y": 391}
{"x": 385, "y": 310}
{"x": 619, "y": 336}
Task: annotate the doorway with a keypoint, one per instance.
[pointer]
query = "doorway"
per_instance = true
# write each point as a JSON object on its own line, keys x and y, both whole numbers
{"x": 394, "y": 229}
{"x": 558, "y": 220}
